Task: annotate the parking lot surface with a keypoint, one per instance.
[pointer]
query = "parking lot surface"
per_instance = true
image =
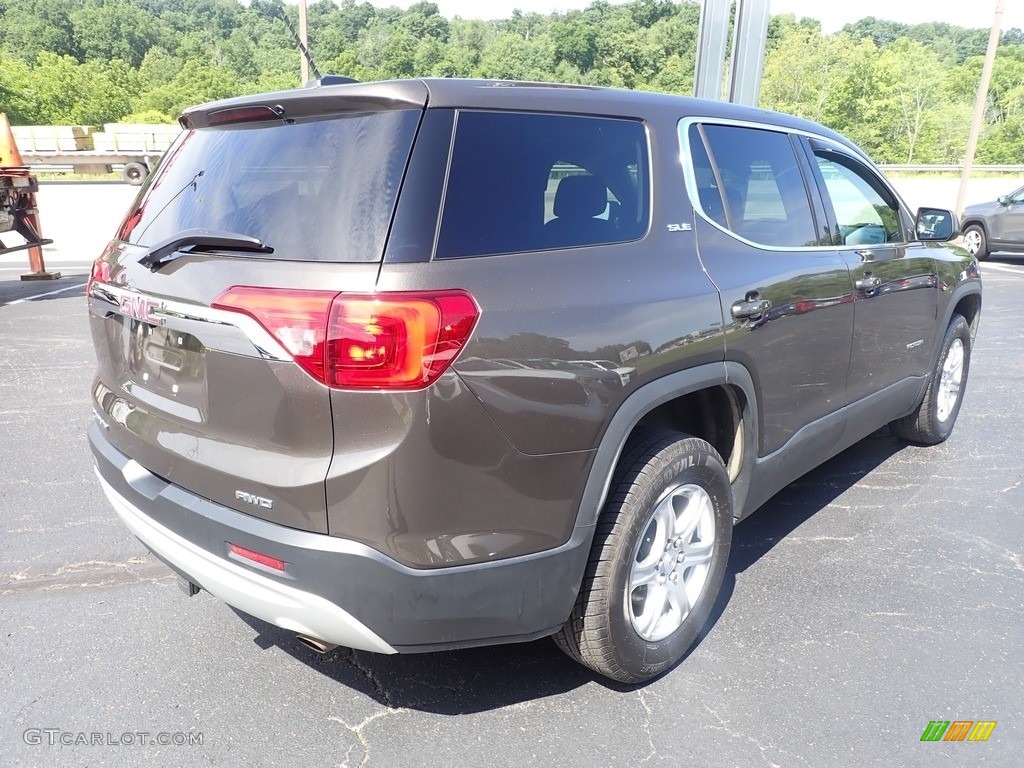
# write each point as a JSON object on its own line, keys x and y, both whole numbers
{"x": 883, "y": 591}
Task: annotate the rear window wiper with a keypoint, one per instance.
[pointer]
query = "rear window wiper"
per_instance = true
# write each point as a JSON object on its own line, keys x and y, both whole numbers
{"x": 198, "y": 241}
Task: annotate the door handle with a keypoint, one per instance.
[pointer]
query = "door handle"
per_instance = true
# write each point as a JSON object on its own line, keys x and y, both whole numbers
{"x": 752, "y": 306}
{"x": 868, "y": 283}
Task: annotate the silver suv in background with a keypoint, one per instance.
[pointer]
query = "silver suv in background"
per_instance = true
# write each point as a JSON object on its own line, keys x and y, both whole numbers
{"x": 419, "y": 365}
{"x": 996, "y": 226}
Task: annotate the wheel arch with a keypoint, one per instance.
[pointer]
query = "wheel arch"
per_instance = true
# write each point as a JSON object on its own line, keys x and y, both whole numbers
{"x": 965, "y": 301}
{"x": 974, "y": 221}
{"x": 969, "y": 306}
{"x": 715, "y": 402}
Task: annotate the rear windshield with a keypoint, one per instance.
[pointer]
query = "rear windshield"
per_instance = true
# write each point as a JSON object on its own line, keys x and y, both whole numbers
{"x": 314, "y": 190}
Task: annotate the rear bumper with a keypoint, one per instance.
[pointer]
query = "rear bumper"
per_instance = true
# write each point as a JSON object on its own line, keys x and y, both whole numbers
{"x": 337, "y": 590}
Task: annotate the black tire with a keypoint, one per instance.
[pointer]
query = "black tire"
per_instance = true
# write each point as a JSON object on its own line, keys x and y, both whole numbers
{"x": 660, "y": 471}
{"x": 933, "y": 419}
{"x": 134, "y": 173}
{"x": 976, "y": 232}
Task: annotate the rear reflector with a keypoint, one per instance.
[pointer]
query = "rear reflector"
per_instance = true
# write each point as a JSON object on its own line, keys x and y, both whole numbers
{"x": 256, "y": 557}
{"x": 385, "y": 341}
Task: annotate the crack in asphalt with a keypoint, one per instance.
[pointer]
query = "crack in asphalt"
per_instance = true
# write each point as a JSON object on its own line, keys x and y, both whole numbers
{"x": 724, "y": 726}
{"x": 1003, "y": 552}
{"x": 357, "y": 731}
{"x": 648, "y": 713}
{"x": 88, "y": 574}
{"x": 371, "y": 677}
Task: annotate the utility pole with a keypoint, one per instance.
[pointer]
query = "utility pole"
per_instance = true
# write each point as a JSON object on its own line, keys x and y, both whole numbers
{"x": 979, "y": 105}
{"x": 303, "y": 41}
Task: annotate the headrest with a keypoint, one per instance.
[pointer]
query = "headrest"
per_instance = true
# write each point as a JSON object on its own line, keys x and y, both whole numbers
{"x": 580, "y": 197}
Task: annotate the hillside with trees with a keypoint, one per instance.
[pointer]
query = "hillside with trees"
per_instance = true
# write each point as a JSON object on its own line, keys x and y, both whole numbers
{"x": 903, "y": 92}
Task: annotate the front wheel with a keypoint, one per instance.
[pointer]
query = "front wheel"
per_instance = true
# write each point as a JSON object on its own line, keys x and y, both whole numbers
{"x": 975, "y": 242}
{"x": 658, "y": 559}
{"x": 933, "y": 419}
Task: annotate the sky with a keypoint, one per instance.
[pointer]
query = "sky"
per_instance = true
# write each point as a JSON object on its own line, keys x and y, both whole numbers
{"x": 833, "y": 14}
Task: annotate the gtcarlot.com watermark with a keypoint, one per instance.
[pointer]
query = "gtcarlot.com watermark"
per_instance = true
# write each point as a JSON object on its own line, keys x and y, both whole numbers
{"x": 53, "y": 737}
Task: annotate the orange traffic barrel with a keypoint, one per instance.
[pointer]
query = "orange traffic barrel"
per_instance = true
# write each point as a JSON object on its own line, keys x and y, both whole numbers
{"x": 9, "y": 154}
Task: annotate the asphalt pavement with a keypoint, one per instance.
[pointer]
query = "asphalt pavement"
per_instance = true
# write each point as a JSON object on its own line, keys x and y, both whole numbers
{"x": 882, "y": 591}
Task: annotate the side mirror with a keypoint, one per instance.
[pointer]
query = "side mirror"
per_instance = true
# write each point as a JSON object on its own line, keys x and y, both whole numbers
{"x": 1003, "y": 199}
{"x": 936, "y": 224}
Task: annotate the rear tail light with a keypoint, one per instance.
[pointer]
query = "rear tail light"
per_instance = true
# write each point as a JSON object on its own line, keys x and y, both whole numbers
{"x": 386, "y": 341}
{"x": 100, "y": 272}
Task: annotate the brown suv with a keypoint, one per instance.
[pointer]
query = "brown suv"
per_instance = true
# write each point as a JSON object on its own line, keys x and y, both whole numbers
{"x": 418, "y": 365}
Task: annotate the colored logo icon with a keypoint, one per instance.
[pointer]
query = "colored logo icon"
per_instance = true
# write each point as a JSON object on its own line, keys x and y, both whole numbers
{"x": 958, "y": 730}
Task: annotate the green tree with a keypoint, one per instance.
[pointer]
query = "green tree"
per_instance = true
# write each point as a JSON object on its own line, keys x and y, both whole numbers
{"x": 158, "y": 67}
{"x": 907, "y": 100}
{"x": 804, "y": 71}
{"x": 511, "y": 57}
{"x": 238, "y": 53}
{"x": 114, "y": 29}
{"x": 31, "y": 27}
{"x": 15, "y": 78}
{"x": 196, "y": 83}
{"x": 903, "y": 92}
{"x": 879, "y": 31}
{"x": 575, "y": 42}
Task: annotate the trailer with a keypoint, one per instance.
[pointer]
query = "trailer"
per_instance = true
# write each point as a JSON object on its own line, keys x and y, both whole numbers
{"x": 134, "y": 167}
{"x": 133, "y": 150}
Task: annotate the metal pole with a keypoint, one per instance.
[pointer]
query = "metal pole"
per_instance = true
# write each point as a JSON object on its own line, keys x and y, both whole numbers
{"x": 304, "y": 41}
{"x": 748, "y": 46}
{"x": 712, "y": 35}
{"x": 979, "y": 106}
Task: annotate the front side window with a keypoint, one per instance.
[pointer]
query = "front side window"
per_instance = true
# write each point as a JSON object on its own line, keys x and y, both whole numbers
{"x": 866, "y": 213}
{"x": 749, "y": 181}
{"x": 529, "y": 182}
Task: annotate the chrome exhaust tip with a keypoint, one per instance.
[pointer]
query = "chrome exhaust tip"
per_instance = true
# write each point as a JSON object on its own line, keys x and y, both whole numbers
{"x": 315, "y": 644}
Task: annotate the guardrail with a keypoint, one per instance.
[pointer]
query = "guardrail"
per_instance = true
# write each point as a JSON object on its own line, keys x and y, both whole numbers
{"x": 951, "y": 167}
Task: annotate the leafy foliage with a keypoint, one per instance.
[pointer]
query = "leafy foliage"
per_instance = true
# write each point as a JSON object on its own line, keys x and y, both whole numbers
{"x": 903, "y": 92}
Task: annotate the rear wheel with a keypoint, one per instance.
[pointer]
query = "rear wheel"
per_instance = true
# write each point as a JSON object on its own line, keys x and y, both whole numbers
{"x": 658, "y": 559}
{"x": 134, "y": 173}
{"x": 975, "y": 242}
{"x": 933, "y": 419}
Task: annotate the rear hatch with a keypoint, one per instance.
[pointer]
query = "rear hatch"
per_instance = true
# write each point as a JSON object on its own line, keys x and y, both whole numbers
{"x": 189, "y": 383}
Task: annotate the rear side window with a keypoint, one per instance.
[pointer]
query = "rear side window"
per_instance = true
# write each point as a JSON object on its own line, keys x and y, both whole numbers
{"x": 527, "y": 182}
{"x": 749, "y": 181}
{"x": 317, "y": 190}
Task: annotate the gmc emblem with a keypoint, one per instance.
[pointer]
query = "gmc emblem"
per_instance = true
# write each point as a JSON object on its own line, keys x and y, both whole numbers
{"x": 140, "y": 308}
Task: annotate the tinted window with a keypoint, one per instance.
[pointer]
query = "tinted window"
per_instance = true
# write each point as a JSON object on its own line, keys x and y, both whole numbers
{"x": 711, "y": 200}
{"x": 762, "y": 190}
{"x": 525, "y": 182}
{"x": 865, "y": 212}
{"x": 313, "y": 190}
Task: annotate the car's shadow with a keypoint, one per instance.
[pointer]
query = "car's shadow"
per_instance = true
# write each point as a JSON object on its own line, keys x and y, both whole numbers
{"x": 39, "y": 290}
{"x": 1005, "y": 257}
{"x": 481, "y": 679}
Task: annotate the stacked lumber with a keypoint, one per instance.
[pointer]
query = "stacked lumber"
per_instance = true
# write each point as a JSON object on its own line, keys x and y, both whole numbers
{"x": 53, "y": 138}
{"x": 135, "y": 137}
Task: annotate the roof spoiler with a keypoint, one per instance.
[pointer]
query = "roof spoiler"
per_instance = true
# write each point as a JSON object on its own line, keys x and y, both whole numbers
{"x": 316, "y": 82}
